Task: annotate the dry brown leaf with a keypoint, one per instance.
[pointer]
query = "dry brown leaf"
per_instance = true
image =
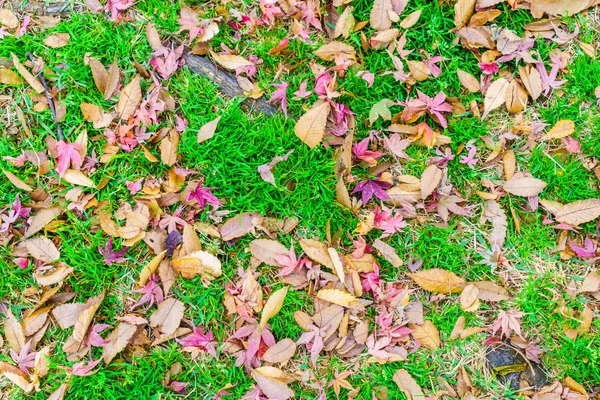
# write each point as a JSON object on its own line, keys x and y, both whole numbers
{"x": 575, "y": 386}
{"x": 8, "y": 18}
{"x": 494, "y": 213}
{"x": 345, "y": 23}
{"x": 207, "y": 130}
{"x": 463, "y": 10}
{"x": 17, "y": 182}
{"x": 427, "y": 334}
{"x": 238, "y": 226}
{"x": 32, "y": 80}
{"x": 66, "y": 314}
{"x": 117, "y": 340}
{"x": 489, "y": 291}
{"x": 9, "y": 77}
{"x": 114, "y": 73}
{"x": 469, "y": 298}
{"x": 560, "y": 7}
{"x": 54, "y": 275}
{"x": 311, "y": 126}
{"x": 153, "y": 37}
{"x": 273, "y": 383}
{"x": 198, "y": 263}
{"x": 380, "y": 15}
{"x": 167, "y": 316}
{"x": 266, "y": 250}
{"x": 495, "y": 96}
{"x": 230, "y": 61}
{"x": 57, "y": 40}
{"x": 281, "y": 352}
{"x": 336, "y": 296}
{"x": 411, "y": 19}
{"x": 561, "y": 129}
{"x": 338, "y": 267}
{"x": 588, "y": 49}
{"x": 430, "y": 180}
{"x": 459, "y": 326}
{"x": 532, "y": 80}
{"x": 317, "y": 251}
{"x": 76, "y": 177}
{"x": 13, "y": 331}
{"x": 99, "y": 74}
{"x": 467, "y": 80}
{"x": 41, "y": 363}
{"x": 168, "y": 148}
{"x": 35, "y": 321}
{"x": 408, "y": 385}
{"x": 510, "y": 164}
{"x": 41, "y": 219}
{"x": 129, "y": 98}
{"x": 438, "y": 280}
{"x": 16, "y": 376}
{"x": 272, "y": 306}
{"x": 42, "y": 248}
{"x": 418, "y": 69}
{"x": 388, "y": 252}
{"x": 525, "y": 187}
{"x": 150, "y": 268}
{"x": 579, "y": 212}
{"x": 516, "y": 97}
{"x": 80, "y": 329}
{"x": 591, "y": 283}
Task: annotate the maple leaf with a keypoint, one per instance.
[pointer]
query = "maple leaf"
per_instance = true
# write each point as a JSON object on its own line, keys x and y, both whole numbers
{"x": 167, "y": 61}
{"x": 339, "y": 382}
{"x": 489, "y": 68}
{"x": 367, "y": 77}
{"x": 199, "y": 342}
{"x": 170, "y": 222}
{"x": 280, "y": 96}
{"x": 265, "y": 170}
{"x": 25, "y": 358}
{"x": 94, "y": 339}
{"x": 291, "y": 263}
{"x": 83, "y": 369}
{"x": 432, "y": 65}
{"x": 549, "y": 81}
{"x": 203, "y": 195}
{"x": 371, "y": 187}
{"x": 436, "y": 106}
{"x": 444, "y": 158}
{"x": 68, "y": 154}
{"x": 134, "y": 186}
{"x": 396, "y": 145}
{"x": 587, "y": 250}
{"x": 362, "y": 152}
{"x": 470, "y": 159}
{"x": 151, "y": 293}
{"x": 89, "y": 162}
{"x": 115, "y": 7}
{"x": 387, "y": 222}
{"x": 302, "y": 93}
{"x": 507, "y": 322}
{"x": 255, "y": 345}
{"x": 449, "y": 204}
{"x": 313, "y": 340}
{"x": 111, "y": 256}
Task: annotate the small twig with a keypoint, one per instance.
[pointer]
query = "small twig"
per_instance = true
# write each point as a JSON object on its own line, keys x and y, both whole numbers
{"x": 50, "y": 101}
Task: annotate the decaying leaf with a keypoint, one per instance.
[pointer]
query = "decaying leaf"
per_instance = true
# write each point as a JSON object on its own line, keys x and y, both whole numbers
{"x": 167, "y": 316}
{"x": 273, "y": 382}
{"x": 380, "y": 14}
{"x": 198, "y": 263}
{"x": 266, "y": 250}
{"x": 33, "y": 81}
{"x": 150, "y": 268}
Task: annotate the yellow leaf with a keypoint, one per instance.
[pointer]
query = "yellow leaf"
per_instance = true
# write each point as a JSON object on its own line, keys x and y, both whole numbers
{"x": 150, "y": 268}
{"x": 168, "y": 148}
{"x": 129, "y": 98}
{"x": 311, "y": 126}
{"x": 76, "y": 177}
{"x": 438, "y": 280}
{"x": 272, "y": 306}
{"x": 32, "y": 80}
{"x": 230, "y": 61}
{"x": 427, "y": 334}
{"x": 411, "y": 19}
{"x": 463, "y": 10}
{"x": 561, "y": 129}
{"x": 332, "y": 50}
{"x": 469, "y": 298}
{"x": 198, "y": 263}
{"x": 336, "y": 296}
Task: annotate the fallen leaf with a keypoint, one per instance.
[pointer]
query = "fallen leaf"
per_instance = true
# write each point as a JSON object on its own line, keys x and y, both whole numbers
{"x": 332, "y": 50}
{"x": 168, "y": 148}
{"x": 311, "y": 126}
{"x": 8, "y": 18}
{"x": 272, "y": 384}
{"x": 469, "y": 298}
{"x": 76, "y": 177}
{"x": 208, "y": 130}
{"x": 560, "y": 7}
{"x": 388, "y": 252}
{"x": 17, "y": 182}
{"x": 57, "y": 40}
{"x": 9, "y": 77}
{"x": 489, "y": 291}
{"x": 563, "y": 128}
{"x": 418, "y": 69}
{"x": 526, "y": 186}
{"x": 281, "y": 352}
{"x": 336, "y": 296}
{"x": 167, "y": 316}
{"x": 117, "y": 340}
{"x": 198, "y": 263}
{"x": 230, "y": 61}
{"x": 408, "y": 385}
{"x": 42, "y": 248}
{"x": 463, "y": 10}
{"x": 13, "y": 331}
{"x": 532, "y": 80}
{"x": 272, "y": 306}
{"x": 467, "y": 80}
{"x": 579, "y": 212}
{"x": 575, "y": 386}
{"x": 427, "y": 334}
{"x": 33, "y": 81}
{"x": 495, "y": 96}
{"x": 76, "y": 341}
{"x": 345, "y": 23}
{"x": 591, "y": 283}
{"x": 438, "y": 280}
{"x": 411, "y": 19}
{"x": 317, "y": 251}
{"x": 114, "y": 73}
{"x": 516, "y": 97}
{"x": 238, "y": 226}
{"x": 430, "y": 180}
{"x": 16, "y": 376}
{"x": 150, "y": 268}
{"x": 380, "y": 14}
{"x": 129, "y": 98}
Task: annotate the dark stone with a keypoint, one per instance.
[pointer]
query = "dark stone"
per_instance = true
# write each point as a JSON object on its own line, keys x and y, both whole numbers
{"x": 503, "y": 354}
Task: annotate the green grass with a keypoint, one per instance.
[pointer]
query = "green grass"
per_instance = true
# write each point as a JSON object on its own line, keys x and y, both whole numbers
{"x": 305, "y": 190}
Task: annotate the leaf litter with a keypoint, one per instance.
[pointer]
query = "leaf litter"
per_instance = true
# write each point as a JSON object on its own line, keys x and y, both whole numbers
{"x": 361, "y": 313}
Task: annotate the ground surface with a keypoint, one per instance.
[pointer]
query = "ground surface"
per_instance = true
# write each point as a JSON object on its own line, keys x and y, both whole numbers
{"x": 512, "y": 182}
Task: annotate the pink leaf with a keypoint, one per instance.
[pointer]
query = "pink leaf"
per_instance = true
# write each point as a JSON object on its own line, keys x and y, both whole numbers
{"x": 280, "y": 96}
{"x": 68, "y": 154}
